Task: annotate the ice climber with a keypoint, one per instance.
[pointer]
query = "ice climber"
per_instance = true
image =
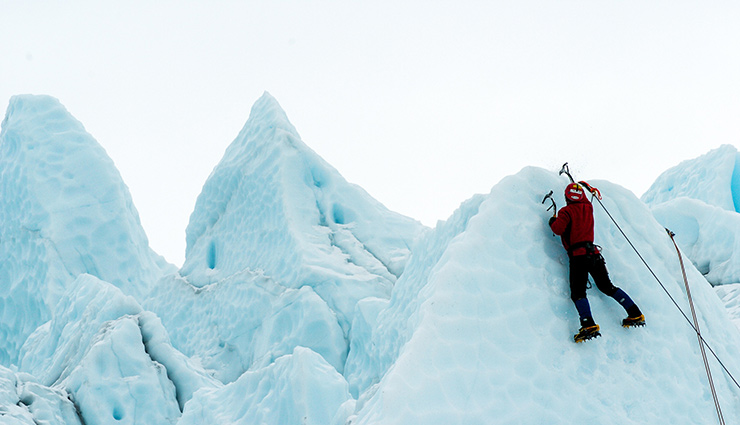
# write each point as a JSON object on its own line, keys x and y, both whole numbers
{"x": 575, "y": 225}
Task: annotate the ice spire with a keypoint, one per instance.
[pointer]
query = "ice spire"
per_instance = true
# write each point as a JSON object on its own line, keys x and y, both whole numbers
{"x": 273, "y": 204}
{"x": 65, "y": 211}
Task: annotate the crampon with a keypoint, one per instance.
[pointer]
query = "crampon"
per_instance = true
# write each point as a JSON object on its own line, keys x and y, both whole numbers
{"x": 586, "y": 333}
{"x": 632, "y": 322}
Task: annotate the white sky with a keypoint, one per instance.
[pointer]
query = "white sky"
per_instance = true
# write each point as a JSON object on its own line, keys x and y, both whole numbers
{"x": 422, "y": 103}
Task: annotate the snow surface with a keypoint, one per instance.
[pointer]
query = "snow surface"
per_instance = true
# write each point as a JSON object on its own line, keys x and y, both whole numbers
{"x": 303, "y": 300}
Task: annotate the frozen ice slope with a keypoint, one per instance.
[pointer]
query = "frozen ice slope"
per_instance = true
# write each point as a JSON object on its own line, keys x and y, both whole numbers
{"x": 698, "y": 199}
{"x": 304, "y": 301}
{"x": 245, "y": 322}
{"x": 110, "y": 358}
{"x": 273, "y": 205}
{"x": 280, "y": 248}
{"x": 479, "y": 328}
{"x": 64, "y": 211}
{"x": 713, "y": 178}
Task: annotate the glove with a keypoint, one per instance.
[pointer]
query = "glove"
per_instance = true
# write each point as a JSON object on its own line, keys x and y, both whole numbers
{"x": 552, "y": 220}
{"x": 594, "y": 191}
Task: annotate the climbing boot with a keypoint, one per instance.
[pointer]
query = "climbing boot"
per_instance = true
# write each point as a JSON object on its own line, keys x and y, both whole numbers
{"x": 586, "y": 333}
{"x": 635, "y": 321}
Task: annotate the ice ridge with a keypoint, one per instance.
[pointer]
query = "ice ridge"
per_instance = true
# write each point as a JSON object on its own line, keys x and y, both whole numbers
{"x": 273, "y": 205}
{"x": 305, "y": 301}
{"x": 65, "y": 211}
{"x": 712, "y": 178}
{"x": 487, "y": 337}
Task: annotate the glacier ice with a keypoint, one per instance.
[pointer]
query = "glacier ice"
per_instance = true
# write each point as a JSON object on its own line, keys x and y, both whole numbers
{"x": 489, "y": 326}
{"x": 713, "y": 178}
{"x": 53, "y": 349}
{"x": 246, "y": 321}
{"x": 709, "y": 235}
{"x": 693, "y": 200}
{"x": 27, "y": 402}
{"x": 276, "y": 236}
{"x": 112, "y": 357}
{"x": 118, "y": 382}
{"x": 385, "y": 326}
{"x": 698, "y": 200}
{"x": 303, "y": 300}
{"x": 64, "y": 211}
{"x": 274, "y": 205}
{"x": 300, "y": 388}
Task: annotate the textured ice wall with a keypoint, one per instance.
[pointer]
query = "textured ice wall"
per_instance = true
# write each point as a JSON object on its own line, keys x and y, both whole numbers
{"x": 57, "y": 347}
{"x": 300, "y": 388}
{"x": 730, "y": 295}
{"x": 709, "y": 235}
{"x": 280, "y": 250}
{"x": 490, "y": 328}
{"x": 25, "y": 402}
{"x": 65, "y": 211}
{"x": 101, "y": 360}
{"x": 273, "y": 205}
{"x": 382, "y": 327}
{"x": 713, "y": 178}
{"x": 697, "y": 199}
{"x": 245, "y": 322}
{"x": 113, "y": 358}
{"x": 118, "y": 382}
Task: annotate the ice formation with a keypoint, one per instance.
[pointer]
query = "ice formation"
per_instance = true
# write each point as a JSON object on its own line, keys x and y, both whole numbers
{"x": 698, "y": 200}
{"x": 273, "y": 205}
{"x": 713, "y": 178}
{"x": 303, "y": 300}
{"x": 487, "y": 337}
{"x": 300, "y": 388}
{"x": 280, "y": 250}
{"x": 64, "y": 211}
{"x": 246, "y": 321}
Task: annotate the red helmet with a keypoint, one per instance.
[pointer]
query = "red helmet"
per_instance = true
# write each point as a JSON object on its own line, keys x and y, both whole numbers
{"x": 574, "y": 193}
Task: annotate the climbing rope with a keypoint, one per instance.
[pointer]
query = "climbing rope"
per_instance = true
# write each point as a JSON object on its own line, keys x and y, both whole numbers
{"x": 698, "y": 333}
{"x": 695, "y": 324}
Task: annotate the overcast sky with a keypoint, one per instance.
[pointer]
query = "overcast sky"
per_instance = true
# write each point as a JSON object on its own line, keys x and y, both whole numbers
{"x": 422, "y": 103}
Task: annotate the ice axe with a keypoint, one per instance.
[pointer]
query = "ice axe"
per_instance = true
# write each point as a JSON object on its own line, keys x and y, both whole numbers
{"x": 552, "y": 207}
{"x": 565, "y": 170}
{"x": 594, "y": 191}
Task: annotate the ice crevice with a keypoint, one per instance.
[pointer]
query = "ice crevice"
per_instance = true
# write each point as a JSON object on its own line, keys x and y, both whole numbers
{"x": 88, "y": 205}
{"x": 78, "y": 412}
{"x": 147, "y": 351}
{"x": 185, "y": 377}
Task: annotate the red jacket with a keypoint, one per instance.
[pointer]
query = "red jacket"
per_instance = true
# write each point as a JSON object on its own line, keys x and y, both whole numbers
{"x": 575, "y": 224}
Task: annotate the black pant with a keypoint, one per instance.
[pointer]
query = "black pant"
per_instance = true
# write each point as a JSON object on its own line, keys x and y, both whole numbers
{"x": 583, "y": 265}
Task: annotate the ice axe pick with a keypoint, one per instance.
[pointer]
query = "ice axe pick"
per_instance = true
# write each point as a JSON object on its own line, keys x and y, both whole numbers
{"x": 552, "y": 207}
{"x": 566, "y": 170}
